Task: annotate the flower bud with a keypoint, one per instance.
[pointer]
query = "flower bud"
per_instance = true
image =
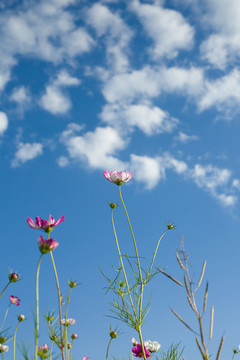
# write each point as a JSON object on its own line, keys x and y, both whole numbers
{"x": 21, "y": 318}
{"x": 69, "y": 345}
{"x": 72, "y": 284}
{"x": 170, "y": 226}
{"x": 121, "y": 284}
{"x": 13, "y": 277}
{"x": 74, "y": 336}
{"x": 113, "y": 334}
{"x": 3, "y": 348}
{"x": 53, "y": 337}
{"x": 113, "y": 205}
{"x": 2, "y": 339}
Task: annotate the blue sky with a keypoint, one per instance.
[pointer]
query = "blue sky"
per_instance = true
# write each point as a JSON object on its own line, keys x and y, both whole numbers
{"x": 147, "y": 86}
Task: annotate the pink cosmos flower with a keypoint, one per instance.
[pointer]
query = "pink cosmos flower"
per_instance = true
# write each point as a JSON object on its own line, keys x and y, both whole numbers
{"x": 43, "y": 348}
{"x": 118, "y": 178}
{"x": 47, "y": 245}
{"x": 14, "y": 300}
{"x": 85, "y": 358}
{"x": 46, "y": 225}
{"x": 137, "y": 351}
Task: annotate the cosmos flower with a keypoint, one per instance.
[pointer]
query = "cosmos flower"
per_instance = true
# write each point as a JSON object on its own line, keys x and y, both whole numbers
{"x": 85, "y": 358}
{"x": 46, "y": 225}
{"x": 118, "y": 178}
{"x": 14, "y": 300}
{"x": 47, "y": 245}
{"x": 137, "y": 351}
{"x": 68, "y": 322}
{"x": 43, "y": 351}
{"x": 152, "y": 346}
{"x": 3, "y": 348}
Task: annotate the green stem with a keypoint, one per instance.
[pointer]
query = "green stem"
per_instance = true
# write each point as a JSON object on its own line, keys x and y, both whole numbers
{"x": 137, "y": 256}
{"x": 71, "y": 350}
{"x": 65, "y": 328}
{"x": 5, "y": 288}
{"x": 140, "y": 275}
{"x": 14, "y": 341}
{"x": 155, "y": 252}
{"x": 141, "y": 341}
{"x": 59, "y": 304}
{"x": 51, "y": 350}
{"x": 5, "y": 316}
{"x": 123, "y": 268}
{"x": 37, "y": 307}
{"x": 108, "y": 349}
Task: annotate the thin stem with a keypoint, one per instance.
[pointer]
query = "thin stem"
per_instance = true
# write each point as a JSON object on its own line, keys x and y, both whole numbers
{"x": 155, "y": 252}
{"x": 51, "y": 350}
{"x": 14, "y": 341}
{"x": 108, "y": 348}
{"x": 71, "y": 350}
{"x": 37, "y": 307}
{"x": 65, "y": 328}
{"x": 59, "y": 304}
{"x": 5, "y": 316}
{"x": 137, "y": 256}
{"x": 141, "y": 341}
{"x": 123, "y": 268}
{"x": 5, "y": 288}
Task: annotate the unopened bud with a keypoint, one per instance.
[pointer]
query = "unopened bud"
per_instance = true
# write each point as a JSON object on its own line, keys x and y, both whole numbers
{"x": 74, "y": 336}
{"x": 72, "y": 284}
{"x": 69, "y": 345}
{"x": 13, "y": 277}
{"x": 113, "y": 334}
{"x": 21, "y": 318}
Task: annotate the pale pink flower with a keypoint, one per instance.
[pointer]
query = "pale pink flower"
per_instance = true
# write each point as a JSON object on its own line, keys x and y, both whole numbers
{"x": 46, "y": 225}
{"x": 118, "y": 178}
{"x": 47, "y": 245}
{"x": 68, "y": 322}
{"x": 14, "y": 300}
{"x": 85, "y": 358}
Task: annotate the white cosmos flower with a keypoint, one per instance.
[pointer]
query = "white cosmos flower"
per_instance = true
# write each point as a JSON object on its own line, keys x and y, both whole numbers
{"x": 152, "y": 346}
{"x": 68, "y": 322}
{"x": 3, "y": 348}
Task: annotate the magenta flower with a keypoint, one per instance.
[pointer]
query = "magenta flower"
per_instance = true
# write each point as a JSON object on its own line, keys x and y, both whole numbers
{"x": 46, "y": 225}
{"x": 47, "y": 245}
{"x": 137, "y": 351}
{"x": 118, "y": 178}
{"x": 85, "y": 358}
{"x": 14, "y": 300}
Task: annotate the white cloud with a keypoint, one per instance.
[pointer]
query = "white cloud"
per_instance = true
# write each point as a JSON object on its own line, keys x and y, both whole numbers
{"x": 149, "y": 82}
{"x": 222, "y": 47}
{"x": 211, "y": 179}
{"x": 147, "y": 170}
{"x": 185, "y": 138}
{"x": 118, "y": 34}
{"x": 236, "y": 184}
{"x": 20, "y": 95}
{"x": 26, "y": 152}
{"x": 224, "y": 93}
{"x": 45, "y": 30}
{"x": 98, "y": 149}
{"x": 166, "y": 27}
{"x": 3, "y": 122}
{"x": 62, "y": 161}
{"x": 54, "y": 99}
{"x": 149, "y": 119}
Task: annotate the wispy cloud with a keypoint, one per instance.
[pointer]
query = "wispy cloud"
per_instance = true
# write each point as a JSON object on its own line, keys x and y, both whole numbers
{"x": 26, "y": 152}
{"x": 55, "y": 100}
{"x": 3, "y": 122}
